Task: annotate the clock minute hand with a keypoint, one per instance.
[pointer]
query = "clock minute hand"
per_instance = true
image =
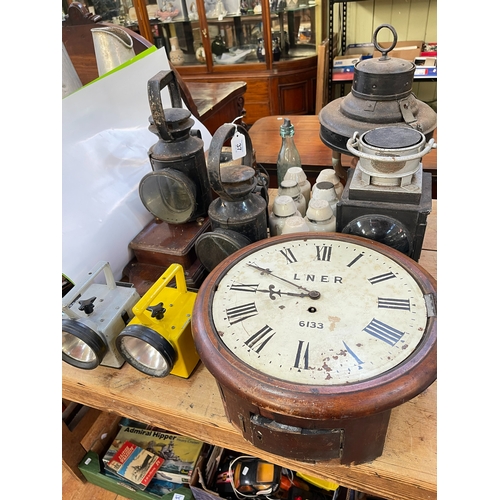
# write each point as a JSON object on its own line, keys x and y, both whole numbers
{"x": 311, "y": 293}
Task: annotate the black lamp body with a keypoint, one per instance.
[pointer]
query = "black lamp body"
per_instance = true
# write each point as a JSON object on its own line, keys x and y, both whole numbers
{"x": 388, "y": 197}
{"x": 239, "y": 208}
{"x": 177, "y": 191}
{"x": 396, "y": 220}
{"x": 239, "y": 216}
{"x": 381, "y": 95}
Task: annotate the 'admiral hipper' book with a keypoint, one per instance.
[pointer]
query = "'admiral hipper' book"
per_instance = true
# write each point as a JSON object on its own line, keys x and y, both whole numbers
{"x": 180, "y": 453}
{"x": 137, "y": 465}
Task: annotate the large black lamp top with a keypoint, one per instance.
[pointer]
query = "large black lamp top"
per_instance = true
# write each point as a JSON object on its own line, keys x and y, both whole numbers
{"x": 381, "y": 95}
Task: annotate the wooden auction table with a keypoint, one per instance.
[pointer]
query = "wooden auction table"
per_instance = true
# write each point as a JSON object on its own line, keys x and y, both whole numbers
{"x": 193, "y": 407}
{"x": 314, "y": 154}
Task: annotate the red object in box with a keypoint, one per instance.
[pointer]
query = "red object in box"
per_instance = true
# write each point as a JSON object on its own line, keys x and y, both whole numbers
{"x": 429, "y": 49}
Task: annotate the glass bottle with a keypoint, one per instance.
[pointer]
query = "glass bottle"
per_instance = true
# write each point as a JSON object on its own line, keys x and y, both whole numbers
{"x": 288, "y": 156}
{"x": 276, "y": 49}
{"x": 261, "y": 51}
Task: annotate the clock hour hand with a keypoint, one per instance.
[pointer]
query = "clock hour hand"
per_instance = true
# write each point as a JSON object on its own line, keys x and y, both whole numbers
{"x": 310, "y": 293}
{"x": 273, "y": 292}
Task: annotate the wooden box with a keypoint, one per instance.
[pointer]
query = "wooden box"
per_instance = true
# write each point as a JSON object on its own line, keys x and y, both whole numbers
{"x": 84, "y": 429}
{"x": 163, "y": 244}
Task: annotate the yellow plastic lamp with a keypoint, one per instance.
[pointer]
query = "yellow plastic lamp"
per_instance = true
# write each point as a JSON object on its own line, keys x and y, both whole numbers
{"x": 158, "y": 340}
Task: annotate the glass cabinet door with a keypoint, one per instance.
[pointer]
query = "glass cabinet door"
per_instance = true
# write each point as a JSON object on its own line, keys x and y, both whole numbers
{"x": 252, "y": 31}
{"x": 175, "y": 25}
{"x": 293, "y": 29}
{"x": 218, "y": 33}
{"x": 236, "y": 37}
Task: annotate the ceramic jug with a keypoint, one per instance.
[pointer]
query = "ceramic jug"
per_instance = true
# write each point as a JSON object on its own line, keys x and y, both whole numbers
{"x": 176, "y": 56}
{"x": 112, "y": 46}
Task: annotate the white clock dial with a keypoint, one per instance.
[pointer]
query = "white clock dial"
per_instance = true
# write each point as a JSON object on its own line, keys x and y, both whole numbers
{"x": 319, "y": 311}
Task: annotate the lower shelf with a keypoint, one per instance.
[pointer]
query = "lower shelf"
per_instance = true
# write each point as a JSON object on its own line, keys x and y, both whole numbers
{"x": 193, "y": 407}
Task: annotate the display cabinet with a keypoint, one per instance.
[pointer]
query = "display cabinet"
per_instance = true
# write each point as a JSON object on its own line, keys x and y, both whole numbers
{"x": 270, "y": 44}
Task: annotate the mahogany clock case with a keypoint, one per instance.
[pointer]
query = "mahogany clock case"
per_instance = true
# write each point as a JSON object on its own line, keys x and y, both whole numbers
{"x": 313, "y": 422}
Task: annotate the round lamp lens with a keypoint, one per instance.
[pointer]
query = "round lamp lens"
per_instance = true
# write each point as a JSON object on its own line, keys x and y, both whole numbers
{"x": 146, "y": 350}
{"x": 81, "y": 346}
{"x": 383, "y": 229}
{"x": 168, "y": 195}
{"x": 144, "y": 354}
{"x": 77, "y": 349}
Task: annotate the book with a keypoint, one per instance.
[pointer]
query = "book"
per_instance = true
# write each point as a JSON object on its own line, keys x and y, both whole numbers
{"x": 158, "y": 487}
{"x": 180, "y": 453}
{"x": 137, "y": 465}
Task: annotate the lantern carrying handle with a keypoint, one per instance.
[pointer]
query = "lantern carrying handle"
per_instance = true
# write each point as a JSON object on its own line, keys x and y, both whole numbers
{"x": 385, "y": 50}
{"x": 155, "y": 86}
{"x": 222, "y": 134}
{"x": 353, "y": 143}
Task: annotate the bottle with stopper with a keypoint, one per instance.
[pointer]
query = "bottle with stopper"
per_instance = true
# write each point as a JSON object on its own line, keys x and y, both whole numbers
{"x": 288, "y": 156}
{"x": 324, "y": 190}
{"x": 295, "y": 224}
{"x": 297, "y": 174}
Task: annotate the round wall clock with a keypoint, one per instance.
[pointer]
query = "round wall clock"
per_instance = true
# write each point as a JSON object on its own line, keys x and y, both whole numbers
{"x": 313, "y": 339}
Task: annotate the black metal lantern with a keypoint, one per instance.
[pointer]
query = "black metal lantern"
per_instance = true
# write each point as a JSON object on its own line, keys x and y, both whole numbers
{"x": 239, "y": 215}
{"x": 381, "y": 95}
{"x": 177, "y": 191}
{"x": 239, "y": 208}
{"x": 387, "y": 197}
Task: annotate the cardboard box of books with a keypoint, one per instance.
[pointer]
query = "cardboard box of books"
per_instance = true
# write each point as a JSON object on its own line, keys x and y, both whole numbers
{"x": 180, "y": 453}
{"x": 93, "y": 466}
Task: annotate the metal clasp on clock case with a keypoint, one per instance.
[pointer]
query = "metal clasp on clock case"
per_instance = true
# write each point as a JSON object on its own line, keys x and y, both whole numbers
{"x": 430, "y": 303}
{"x": 264, "y": 430}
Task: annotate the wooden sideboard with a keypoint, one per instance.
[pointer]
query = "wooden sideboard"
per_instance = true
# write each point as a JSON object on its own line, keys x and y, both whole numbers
{"x": 288, "y": 88}
{"x": 218, "y": 104}
{"x": 193, "y": 407}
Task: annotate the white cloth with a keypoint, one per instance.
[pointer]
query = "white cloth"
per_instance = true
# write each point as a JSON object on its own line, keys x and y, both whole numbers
{"x": 105, "y": 143}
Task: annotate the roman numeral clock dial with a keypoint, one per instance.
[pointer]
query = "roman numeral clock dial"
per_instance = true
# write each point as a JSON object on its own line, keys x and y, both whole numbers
{"x": 316, "y": 330}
